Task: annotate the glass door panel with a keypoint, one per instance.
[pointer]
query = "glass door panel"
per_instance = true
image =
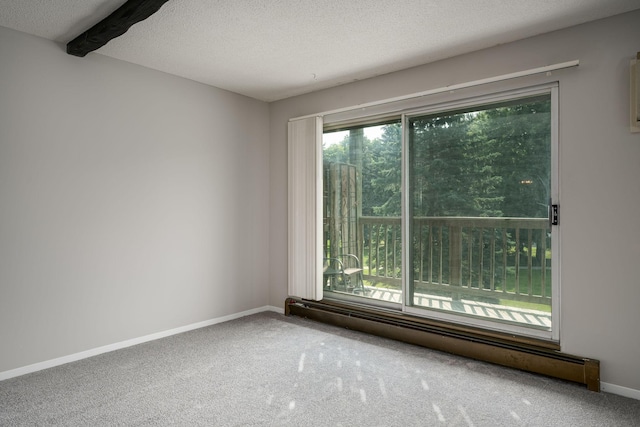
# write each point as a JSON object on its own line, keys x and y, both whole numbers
{"x": 479, "y": 188}
{"x": 362, "y": 241}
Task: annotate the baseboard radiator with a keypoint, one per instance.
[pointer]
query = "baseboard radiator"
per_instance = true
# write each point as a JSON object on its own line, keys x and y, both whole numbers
{"x": 527, "y": 354}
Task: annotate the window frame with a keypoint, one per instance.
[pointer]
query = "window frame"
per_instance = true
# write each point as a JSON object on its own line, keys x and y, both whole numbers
{"x": 459, "y": 101}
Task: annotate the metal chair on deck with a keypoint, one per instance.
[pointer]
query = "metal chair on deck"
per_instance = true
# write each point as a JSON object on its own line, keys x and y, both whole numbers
{"x": 343, "y": 273}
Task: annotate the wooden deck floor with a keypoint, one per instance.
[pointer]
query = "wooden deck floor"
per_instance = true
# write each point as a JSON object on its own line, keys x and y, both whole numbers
{"x": 490, "y": 311}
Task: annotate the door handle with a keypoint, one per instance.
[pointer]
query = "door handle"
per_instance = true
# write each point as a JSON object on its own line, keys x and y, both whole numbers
{"x": 553, "y": 213}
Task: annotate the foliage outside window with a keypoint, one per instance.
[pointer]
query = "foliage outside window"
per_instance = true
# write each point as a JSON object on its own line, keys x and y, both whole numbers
{"x": 479, "y": 183}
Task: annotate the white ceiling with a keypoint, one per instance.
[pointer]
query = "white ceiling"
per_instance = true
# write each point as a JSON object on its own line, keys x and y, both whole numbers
{"x": 274, "y": 49}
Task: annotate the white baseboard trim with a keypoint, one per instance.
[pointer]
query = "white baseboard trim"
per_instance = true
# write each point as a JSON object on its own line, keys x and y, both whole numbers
{"x": 131, "y": 342}
{"x": 620, "y": 390}
{"x": 275, "y": 309}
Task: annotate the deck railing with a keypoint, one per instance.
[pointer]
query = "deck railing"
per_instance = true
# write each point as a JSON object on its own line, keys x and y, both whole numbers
{"x": 492, "y": 258}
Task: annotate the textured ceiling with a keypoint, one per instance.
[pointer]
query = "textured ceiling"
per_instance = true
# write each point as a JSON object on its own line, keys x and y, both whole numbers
{"x": 273, "y": 49}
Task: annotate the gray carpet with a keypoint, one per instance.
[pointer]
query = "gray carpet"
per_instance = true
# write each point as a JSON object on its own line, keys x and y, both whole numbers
{"x": 267, "y": 369}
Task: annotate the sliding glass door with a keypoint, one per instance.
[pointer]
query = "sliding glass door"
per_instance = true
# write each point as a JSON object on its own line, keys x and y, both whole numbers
{"x": 362, "y": 240}
{"x": 461, "y": 193}
{"x": 479, "y": 190}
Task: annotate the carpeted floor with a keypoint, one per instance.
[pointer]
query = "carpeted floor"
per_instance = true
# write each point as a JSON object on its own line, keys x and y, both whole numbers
{"x": 267, "y": 369}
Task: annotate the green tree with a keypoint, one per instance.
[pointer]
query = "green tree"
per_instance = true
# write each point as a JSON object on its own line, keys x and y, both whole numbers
{"x": 336, "y": 153}
{"x": 441, "y": 164}
{"x": 519, "y": 136}
{"x": 382, "y": 173}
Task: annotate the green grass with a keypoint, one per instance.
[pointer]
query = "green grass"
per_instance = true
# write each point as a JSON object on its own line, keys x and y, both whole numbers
{"x": 536, "y": 284}
{"x": 527, "y": 305}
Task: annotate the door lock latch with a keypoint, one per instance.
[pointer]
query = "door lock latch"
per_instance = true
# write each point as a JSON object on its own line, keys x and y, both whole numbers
{"x": 553, "y": 214}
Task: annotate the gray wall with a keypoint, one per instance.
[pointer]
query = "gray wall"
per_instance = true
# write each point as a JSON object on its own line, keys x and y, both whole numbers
{"x": 131, "y": 201}
{"x": 599, "y": 176}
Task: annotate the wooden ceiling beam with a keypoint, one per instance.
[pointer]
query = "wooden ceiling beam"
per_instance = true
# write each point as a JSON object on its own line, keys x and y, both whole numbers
{"x": 114, "y": 25}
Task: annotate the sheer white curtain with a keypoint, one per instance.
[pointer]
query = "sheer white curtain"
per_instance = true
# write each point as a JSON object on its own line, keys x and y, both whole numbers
{"x": 305, "y": 208}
